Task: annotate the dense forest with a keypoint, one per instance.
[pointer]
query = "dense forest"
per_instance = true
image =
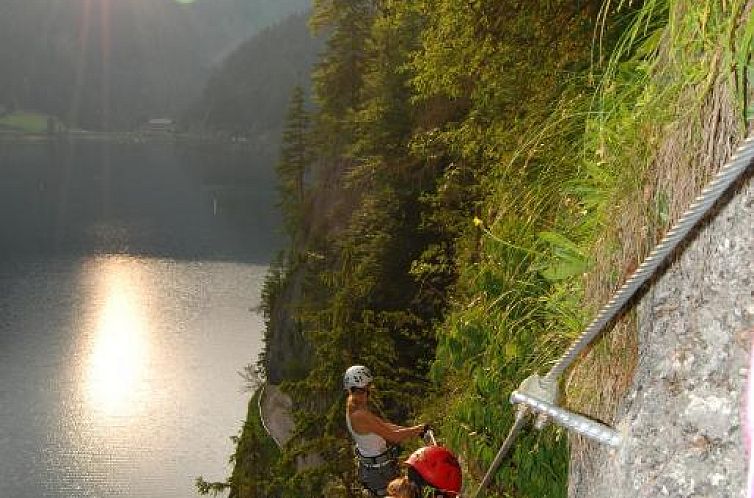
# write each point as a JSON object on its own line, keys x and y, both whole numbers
{"x": 467, "y": 184}
{"x": 112, "y": 64}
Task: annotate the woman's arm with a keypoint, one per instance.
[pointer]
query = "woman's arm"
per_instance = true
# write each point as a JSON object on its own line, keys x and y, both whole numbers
{"x": 364, "y": 422}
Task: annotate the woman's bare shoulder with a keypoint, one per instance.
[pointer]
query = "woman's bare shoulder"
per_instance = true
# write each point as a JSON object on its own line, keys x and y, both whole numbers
{"x": 360, "y": 414}
{"x": 364, "y": 421}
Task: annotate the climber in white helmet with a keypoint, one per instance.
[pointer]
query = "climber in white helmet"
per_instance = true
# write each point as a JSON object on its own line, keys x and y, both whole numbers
{"x": 376, "y": 439}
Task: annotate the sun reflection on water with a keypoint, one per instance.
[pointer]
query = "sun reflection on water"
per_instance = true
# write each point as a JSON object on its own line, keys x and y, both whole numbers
{"x": 119, "y": 352}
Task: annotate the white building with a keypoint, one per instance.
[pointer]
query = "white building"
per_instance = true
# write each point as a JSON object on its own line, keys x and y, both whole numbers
{"x": 160, "y": 125}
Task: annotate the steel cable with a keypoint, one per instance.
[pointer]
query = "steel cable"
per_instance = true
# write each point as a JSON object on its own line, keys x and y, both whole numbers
{"x": 728, "y": 174}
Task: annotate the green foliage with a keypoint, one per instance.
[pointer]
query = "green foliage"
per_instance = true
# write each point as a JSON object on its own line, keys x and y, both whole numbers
{"x": 567, "y": 260}
{"x": 558, "y": 193}
{"x": 295, "y": 160}
{"x": 469, "y": 162}
{"x": 259, "y": 470}
{"x": 338, "y": 75}
{"x": 206, "y": 488}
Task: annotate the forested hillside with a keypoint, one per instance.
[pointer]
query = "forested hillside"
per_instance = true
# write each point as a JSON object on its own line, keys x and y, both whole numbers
{"x": 247, "y": 94}
{"x": 470, "y": 182}
{"x": 113, "y": 64}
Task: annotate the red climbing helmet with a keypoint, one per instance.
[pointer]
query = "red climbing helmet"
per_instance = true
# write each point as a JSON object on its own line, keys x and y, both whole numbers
{"x": 438, "y": 467}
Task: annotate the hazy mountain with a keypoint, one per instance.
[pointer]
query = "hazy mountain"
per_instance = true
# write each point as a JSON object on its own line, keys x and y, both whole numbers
{"x": 248, "y": 93}
{"x": 115, "y": 63}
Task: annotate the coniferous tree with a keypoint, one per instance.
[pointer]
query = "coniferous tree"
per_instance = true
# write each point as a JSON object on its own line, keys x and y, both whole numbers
{"x": 295, "y": 160}
{"x": 338, "y": 76}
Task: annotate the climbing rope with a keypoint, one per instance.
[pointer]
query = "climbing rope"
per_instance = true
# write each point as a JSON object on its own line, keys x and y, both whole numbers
{"x": 699, "y": 209}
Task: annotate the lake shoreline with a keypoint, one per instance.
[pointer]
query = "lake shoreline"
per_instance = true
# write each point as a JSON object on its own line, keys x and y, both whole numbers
{"x": 122, "y": 137}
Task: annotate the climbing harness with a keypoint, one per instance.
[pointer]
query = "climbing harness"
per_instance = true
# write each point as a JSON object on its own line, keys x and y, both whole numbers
{"x": 539, "y": 395}
{"x": 375, "y": 473}
{"x": 378, "y": 461}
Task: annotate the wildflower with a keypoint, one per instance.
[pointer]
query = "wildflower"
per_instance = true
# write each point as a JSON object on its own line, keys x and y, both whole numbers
{"x": 478, "y": 222}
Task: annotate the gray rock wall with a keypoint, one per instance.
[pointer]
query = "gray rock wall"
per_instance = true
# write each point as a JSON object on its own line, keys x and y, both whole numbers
{"x": 287, "y": 353}
{"x": 681, "y": 419}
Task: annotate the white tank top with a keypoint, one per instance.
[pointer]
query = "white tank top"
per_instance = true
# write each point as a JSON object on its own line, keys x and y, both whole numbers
{"x": 370, "y": 444}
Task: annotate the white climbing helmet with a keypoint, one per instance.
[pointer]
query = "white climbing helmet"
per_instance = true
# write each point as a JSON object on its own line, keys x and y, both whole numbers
{"x": 357, "y": 376}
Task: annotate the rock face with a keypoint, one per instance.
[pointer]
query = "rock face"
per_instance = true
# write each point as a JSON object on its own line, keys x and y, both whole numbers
{"x": 681, "y": 419}
{"x": 275, "y": 414}
{"x": 287, "y": 351}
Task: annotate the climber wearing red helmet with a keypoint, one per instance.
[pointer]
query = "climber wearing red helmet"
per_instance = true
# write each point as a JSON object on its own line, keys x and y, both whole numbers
{"x": 436, "y": 468}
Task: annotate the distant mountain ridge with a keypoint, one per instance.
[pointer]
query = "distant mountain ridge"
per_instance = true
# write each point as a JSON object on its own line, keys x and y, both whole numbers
{"x": 248, "y": 93}
{"x": 112, "y": 64}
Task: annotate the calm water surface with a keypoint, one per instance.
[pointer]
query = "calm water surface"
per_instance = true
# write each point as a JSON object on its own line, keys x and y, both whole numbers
{"x": 127, "y": 283}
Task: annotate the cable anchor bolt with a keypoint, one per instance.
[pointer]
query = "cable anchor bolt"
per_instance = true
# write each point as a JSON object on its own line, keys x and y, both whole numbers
{"x": 540, "y": 396}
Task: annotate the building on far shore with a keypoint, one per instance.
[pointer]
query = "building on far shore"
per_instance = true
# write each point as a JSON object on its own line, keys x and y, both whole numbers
{"x": 159, "y": 125}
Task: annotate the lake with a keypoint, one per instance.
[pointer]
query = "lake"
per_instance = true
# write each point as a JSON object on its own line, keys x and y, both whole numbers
{"x": 129, "y": 278}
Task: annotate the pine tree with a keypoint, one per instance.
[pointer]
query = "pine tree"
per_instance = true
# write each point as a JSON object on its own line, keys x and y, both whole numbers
{"x": 338, "y": 76}
{"x": 295, "y": 160}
